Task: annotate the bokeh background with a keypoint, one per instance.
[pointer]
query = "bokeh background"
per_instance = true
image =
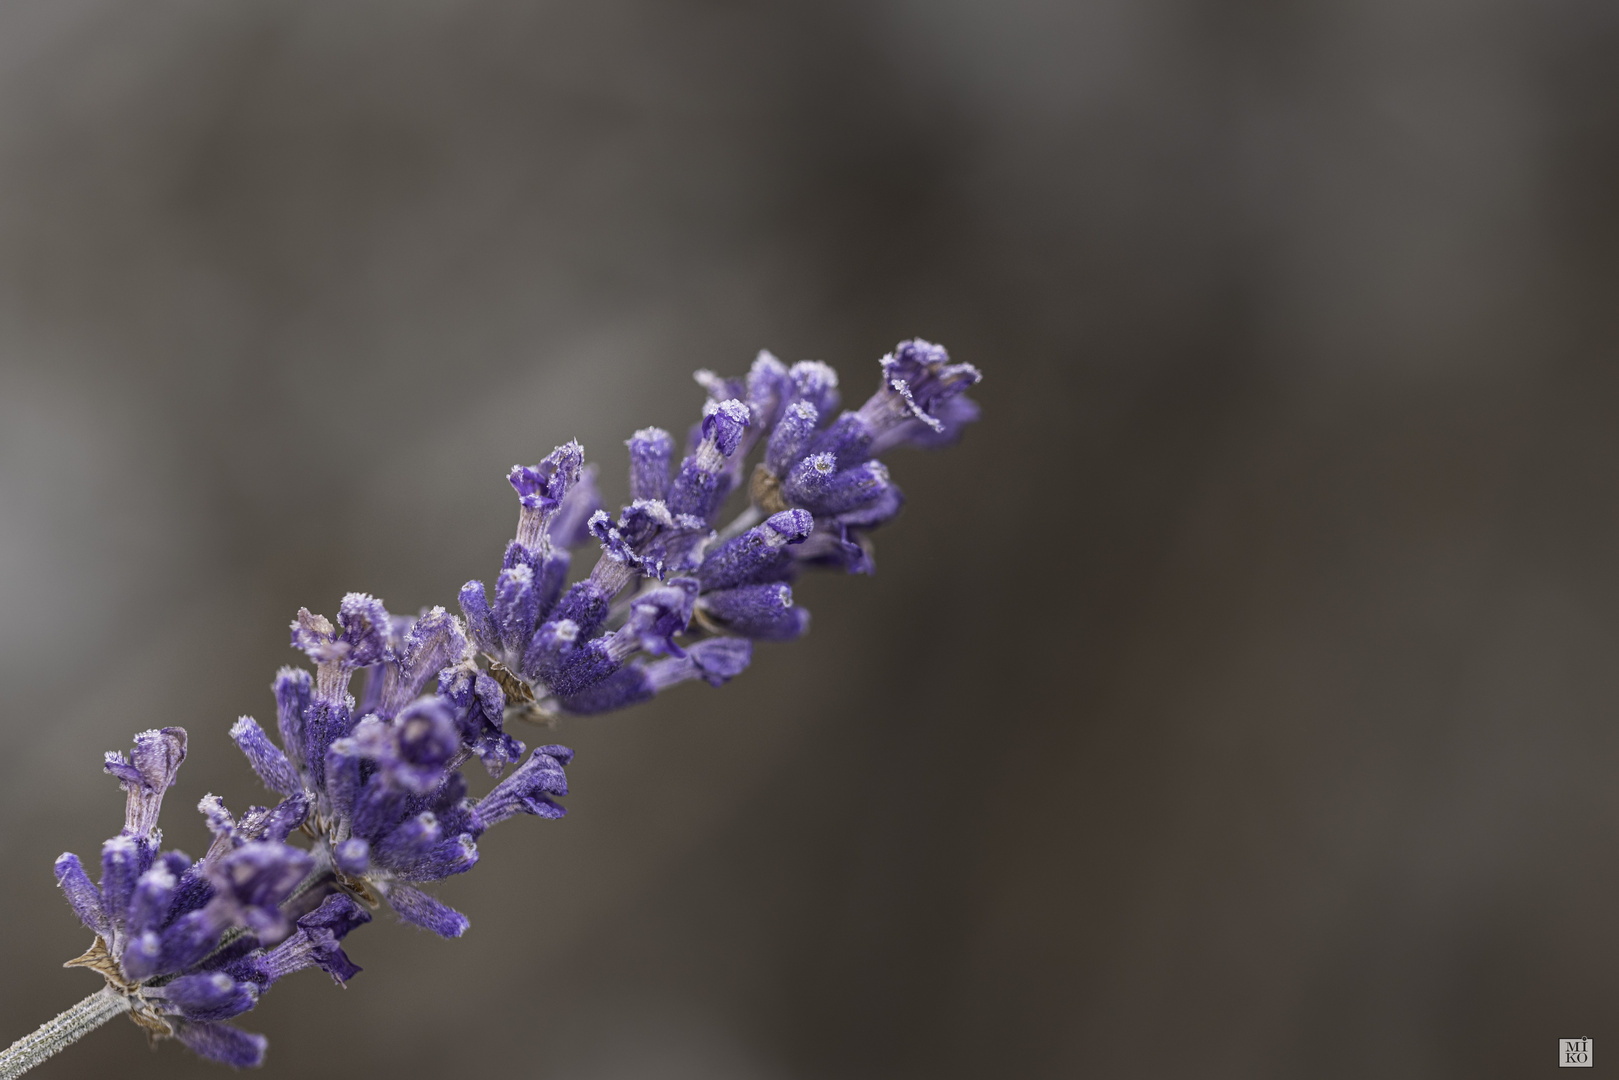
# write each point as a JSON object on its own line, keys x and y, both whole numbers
{"x": 1237, "y": 701}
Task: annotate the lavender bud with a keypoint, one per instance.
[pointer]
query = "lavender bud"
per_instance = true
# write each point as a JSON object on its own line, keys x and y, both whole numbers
{"x": 415, "y": 906}
{"x": 81, "y": 893}
{"x": 223, "y": 1043}
{"x": 650, "y": 452}
{"x": 792, "y": 437}
{"x": 267, "y": 760}
{"x": 758, "y": 611}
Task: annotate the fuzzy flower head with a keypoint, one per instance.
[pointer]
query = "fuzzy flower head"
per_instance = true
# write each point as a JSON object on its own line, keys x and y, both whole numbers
{"x": 172, "y": 933}
{"x": 382, "y": 773}
{"x": 668, "y": 570}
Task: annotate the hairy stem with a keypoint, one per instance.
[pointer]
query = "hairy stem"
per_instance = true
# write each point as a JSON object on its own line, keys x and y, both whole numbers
{"x": 65, "y": 1030}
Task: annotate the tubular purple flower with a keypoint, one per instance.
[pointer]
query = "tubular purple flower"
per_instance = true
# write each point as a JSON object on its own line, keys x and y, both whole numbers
{"x": 315, "y": 944}
{"x": 624, "y": 687}
{"x": 352, "y": 856}
{"x": 155, "y": 760}
{"x": 757, "y": 611}
{"x": 251, "y": 882}
{"x": 433, "y": 642}
{"x": 416, "y": 907}
{"x": 266, "y": 758}
{"x": 760, "y": 554}
{"x": 365, "y": 627}
{"x": 480, "y": 619}
{"x": 792, "y": 437}
{"x": 528, "y": 790}
{"x": 815, "y": 384}
{"x": 223, "y": 1043}
{"x": 540, "y": 491}
{"x": 697, "y": 489}
{"x": 567, "y": 528}
{"x": 81, "y": 893}
{"x": 293, "y": 690}
{"x": 656, "y": 616}
{"x": 715, "y": 661}
{"x": 207, "y": 996}
{"x": 651, "y": 450}
{"x": 154, "y": 895}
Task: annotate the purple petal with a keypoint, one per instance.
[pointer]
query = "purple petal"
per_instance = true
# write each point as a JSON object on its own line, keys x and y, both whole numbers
{"x": 516, "y": 608}
{"x": 410, "y": 840}
{"x": 266, "y": 758}
{"x": 81, "y": 893}
{"x": 428, "y": 739}
{"x": 758, "y": 611}
{"x": 624, "y": 687}
{"x": 651, "y": 450}
{"x": 352, "y": 856}
{"x": 726, "y": 424}
{"x": 285, "y": 816}
{"x": 456, "y": 855}
{"x": 849, "y": 438}
{"x": 150, "y": 772}
{"x": 338, "y": 914}
{"x": 567, "y": 527}
{"x": 153, "y": 897}
{"x": 179, "y": 945}
{"x": 541, "y": 489}
{"x": 223, "y": 1043}
{"x": 715, "y": 661}
{"x": 316, "y": 943}
{"x": 528, "y": 789}
{"x": 658, "y": 615}
{"x": 705, "y": 477}
{"x": 816, "y": 484}
{"x": 480, "y": 620}
{"x": 792, "y": 437}
{"x": 585, "y": 604}
{"x": 415, "y": 906}
{"x": 253, "y": 880}
{"x": 207, "y": 996}
{"x": 919, "y": 382}
{"x": 816, "y": 384}
{"x": 120, "y": 866}
{"x": 365, "y": 626}
{"x": 434, "y": 642}
{"x": 769, "y": 387}
{"x": 293, "y": 687}
{"x": 759, "y": 554}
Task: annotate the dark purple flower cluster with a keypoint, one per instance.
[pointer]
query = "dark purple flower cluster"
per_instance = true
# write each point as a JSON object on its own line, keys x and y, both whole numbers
{"x": 389, "y": 807}
{"x": 611, "y": 639}
{"x": 194, "y": 942}
{"x": 374, "y": 782}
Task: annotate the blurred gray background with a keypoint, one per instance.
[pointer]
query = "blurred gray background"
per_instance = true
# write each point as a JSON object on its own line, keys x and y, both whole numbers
{"x": 1237, "y": 701}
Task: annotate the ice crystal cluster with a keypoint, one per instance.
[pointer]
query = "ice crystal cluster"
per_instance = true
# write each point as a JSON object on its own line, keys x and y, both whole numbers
{"x": 372, "y": 803}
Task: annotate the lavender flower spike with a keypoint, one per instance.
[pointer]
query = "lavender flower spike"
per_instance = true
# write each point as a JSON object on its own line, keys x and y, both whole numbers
{"x": 371, "y": 803}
